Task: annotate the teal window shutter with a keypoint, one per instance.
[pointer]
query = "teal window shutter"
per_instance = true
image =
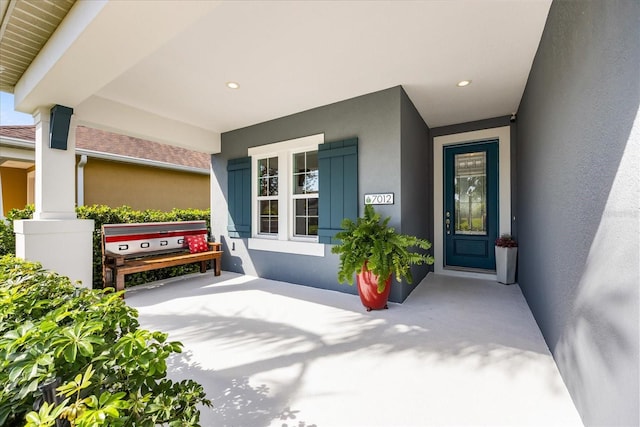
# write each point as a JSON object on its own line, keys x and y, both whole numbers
{"x": 239, "y": 197}
{"x": 338, "y": 185}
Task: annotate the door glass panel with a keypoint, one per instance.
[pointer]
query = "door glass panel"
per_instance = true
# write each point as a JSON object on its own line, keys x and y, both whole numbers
{"x": 470, "y": 193}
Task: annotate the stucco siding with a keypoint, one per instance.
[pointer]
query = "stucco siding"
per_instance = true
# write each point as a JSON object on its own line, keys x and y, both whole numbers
{"x": 116, "y": 184}
{"x": 416, "y": 181}
{"x": 14, "y": 188}
{"x": 375, "y": 120}
{"x": 578, "y": 141}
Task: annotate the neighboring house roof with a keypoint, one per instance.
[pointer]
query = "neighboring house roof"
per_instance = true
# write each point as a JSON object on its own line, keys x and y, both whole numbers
{"x": 27, "y": 133}
{"x": 97, "y": 140}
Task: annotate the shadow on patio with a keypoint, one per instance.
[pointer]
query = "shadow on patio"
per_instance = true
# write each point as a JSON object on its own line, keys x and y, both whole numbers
{"x": 456, "y": 352}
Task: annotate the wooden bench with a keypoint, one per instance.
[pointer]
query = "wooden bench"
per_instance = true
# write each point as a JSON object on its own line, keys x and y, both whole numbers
{"x": 133, "y": 248}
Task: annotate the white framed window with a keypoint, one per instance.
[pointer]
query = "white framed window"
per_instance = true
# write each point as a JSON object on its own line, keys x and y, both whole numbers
{"x": 285, "y": 196}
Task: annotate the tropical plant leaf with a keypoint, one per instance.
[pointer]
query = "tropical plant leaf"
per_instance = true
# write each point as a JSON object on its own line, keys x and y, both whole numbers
{"x": 371, "y": 240}
{"x": 49, "y": 330}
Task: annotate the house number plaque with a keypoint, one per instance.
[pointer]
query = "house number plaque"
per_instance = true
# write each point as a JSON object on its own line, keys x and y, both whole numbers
{"x": 378, "y": 199}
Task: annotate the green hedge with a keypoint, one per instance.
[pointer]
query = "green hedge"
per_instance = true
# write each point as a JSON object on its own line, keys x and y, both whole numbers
{"x": 110, "y": 372}
{"x": 101, "y": 214}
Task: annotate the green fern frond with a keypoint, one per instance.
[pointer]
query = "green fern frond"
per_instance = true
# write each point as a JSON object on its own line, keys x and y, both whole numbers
{"x": 370, "y": 239}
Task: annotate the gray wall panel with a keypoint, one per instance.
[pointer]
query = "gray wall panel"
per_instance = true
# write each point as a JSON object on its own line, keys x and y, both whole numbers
{"x": 577, "y": 180}
{"x": 417, "y": 183}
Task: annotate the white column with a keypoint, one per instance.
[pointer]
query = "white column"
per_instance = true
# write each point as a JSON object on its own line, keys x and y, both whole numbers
{"x": 55, "y": 172}
{"x": 55, "y": 237}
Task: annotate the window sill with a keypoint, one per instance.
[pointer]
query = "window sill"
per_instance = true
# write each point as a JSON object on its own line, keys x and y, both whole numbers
{"x": 287, "y": 246}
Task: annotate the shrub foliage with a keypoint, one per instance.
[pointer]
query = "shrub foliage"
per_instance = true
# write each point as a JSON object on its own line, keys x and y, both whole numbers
{"x": 102, "y": 214}
{"x": 112, "y": 373}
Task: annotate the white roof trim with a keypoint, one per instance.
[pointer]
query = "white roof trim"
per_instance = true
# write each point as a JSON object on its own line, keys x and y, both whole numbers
{"x": 138, "y": 161}
{"x": 17, "y": 142}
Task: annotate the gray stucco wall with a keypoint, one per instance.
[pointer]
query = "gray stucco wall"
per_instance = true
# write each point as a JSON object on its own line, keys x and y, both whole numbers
{"x": 376, "y": 120}
{"x": 578, "y": 143}
{"x": 416, "y": 174}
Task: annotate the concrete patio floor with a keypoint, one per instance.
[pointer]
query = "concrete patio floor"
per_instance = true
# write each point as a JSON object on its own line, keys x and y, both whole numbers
{"x": 456, "y": 352}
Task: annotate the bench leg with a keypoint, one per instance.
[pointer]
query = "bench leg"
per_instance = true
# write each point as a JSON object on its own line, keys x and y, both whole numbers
{"x": 119, "y": 282}
{"x": 203, "y": 266}
{"x": 107, "y": 277}
{"x": 216, "y": 266}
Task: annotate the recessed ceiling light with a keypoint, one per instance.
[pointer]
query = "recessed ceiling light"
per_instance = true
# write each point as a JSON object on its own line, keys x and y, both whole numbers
{"x": 464, "y": 83}
{"x": 233, "y": 85}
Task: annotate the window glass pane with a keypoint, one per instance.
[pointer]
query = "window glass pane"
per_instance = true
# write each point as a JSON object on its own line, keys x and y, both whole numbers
{"x": 313, "y": 206}
{"x": 301, "y": 207}
{"x": 262, "y": 167}
{"x": 299, "y": 162}
{"x": 306, "y": 222}
{"x": 312, "y": 160}
{"x": 268, "y": 177}
{"x": 273, "y": 186}
{"x": 313, "y": 226}
{"x": 470, "y": 193}
{"x": 264, "y": 225}
{"x": 305, "y": 173}
{"x": 263, "y": 187}
{"x": 299, "y": 172}
{"x": 301, "y": 226}
{"x": 311, "y": 179}
{"x": 268, "y": 216}
{"x": 311, "y": 182}
{"x": 298, "y": 183}
{"x": 264, "y": 207}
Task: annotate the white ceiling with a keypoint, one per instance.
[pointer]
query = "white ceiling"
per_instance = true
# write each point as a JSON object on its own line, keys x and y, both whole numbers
{"x": 170, "y": 60}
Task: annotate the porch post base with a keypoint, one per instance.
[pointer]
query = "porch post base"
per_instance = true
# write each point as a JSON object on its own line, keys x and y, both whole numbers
{"x": 62, "y": 245}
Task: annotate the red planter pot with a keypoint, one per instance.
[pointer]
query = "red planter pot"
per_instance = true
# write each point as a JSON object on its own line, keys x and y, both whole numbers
{"x": 368, "y": 290}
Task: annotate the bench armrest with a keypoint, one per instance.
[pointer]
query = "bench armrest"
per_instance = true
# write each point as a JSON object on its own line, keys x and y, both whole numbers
{"x": 118, "y": 259}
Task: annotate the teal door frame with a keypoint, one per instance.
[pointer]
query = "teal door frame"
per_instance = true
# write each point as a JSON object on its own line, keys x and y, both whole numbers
{"x": 465, "y": 247}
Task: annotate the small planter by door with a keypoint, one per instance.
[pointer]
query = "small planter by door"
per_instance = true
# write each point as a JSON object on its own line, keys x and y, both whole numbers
{"x": 506, "y": 264}
{"x": 368, "y": 290}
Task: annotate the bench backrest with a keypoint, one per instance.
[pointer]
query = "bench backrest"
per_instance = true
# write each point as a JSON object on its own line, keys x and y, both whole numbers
{"x": 141, "y": 238}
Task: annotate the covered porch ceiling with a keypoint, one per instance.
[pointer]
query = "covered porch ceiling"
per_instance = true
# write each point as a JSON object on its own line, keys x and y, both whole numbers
{"x": 159, "y": 69}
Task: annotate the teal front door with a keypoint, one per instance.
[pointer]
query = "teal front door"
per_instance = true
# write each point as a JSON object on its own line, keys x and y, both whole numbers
{"x": 471, "y": 205}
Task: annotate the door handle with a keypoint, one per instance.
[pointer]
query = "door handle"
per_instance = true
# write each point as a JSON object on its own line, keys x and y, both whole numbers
{"x": 448, "y": 223}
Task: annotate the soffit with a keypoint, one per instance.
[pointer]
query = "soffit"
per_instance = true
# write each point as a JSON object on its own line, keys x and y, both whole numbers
{"x": 25, "y": 27}
{"x": 294, "y": 56}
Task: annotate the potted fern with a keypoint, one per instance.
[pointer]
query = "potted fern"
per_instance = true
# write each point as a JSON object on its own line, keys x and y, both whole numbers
{"x": 373, "y": 251}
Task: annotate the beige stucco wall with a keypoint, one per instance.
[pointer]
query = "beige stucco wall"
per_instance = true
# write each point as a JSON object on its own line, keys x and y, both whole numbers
{"x": 14, "y": 188}
{"x": 143, "y": 187}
